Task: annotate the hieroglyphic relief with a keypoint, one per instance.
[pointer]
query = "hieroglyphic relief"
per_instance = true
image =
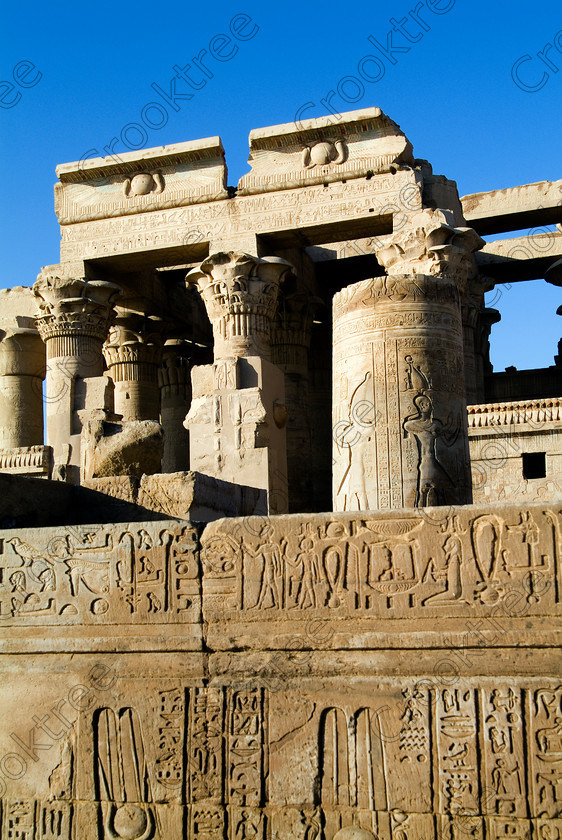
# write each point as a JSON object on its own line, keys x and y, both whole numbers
{"x": 283, "y": 209}
{"x": 246, "y": 763}
{"x": 404, "y": 761}
{"x": 120, "y": 574}
{"x": 505, "y": 783}
{"x": 206, "y": 752}
{"x": 170, "y": 740}
{"x": 122, "y": 780}
{"x": 352, "y": 782}
{"x": 457, "y": 749}
{"x": 19, "y": 819}
{"x": 454, "y": 561}
{"x": 51, "y": 819}
{"x": 205, "y": 747}
{"x": 546, "y": 752}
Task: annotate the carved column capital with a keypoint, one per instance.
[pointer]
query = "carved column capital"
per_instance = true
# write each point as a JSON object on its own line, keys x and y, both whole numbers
{"x": 72, "y": 311}
{"x": 240, "y": 294}
{"x": 133, "y": 354}
{"x": 133, "y": 348}
{"x": 177, "y": 361}
{"x": 291, "y": 328}
{"x": 432, "y": 245}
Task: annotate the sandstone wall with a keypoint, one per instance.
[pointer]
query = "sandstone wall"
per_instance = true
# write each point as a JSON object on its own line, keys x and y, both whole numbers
{"x": 285, "y": 677}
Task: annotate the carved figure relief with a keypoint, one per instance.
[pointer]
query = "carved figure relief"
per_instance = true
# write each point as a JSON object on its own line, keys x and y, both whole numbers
{"x": 353, "y": 439}
{"x": 143, "y": 183}
{"x": 433, "y": 479}
{"x": 306, "y": 577}
{"x": 450, "y": 573}
{"x": 381, "y": 566}
{"x": 323, "y": 153}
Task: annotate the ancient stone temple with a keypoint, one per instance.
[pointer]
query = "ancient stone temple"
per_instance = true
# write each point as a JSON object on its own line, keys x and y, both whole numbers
{"x": 281, "y": 553}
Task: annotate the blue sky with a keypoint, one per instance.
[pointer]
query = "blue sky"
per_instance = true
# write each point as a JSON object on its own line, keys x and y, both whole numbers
{"x": 450, "y": 87}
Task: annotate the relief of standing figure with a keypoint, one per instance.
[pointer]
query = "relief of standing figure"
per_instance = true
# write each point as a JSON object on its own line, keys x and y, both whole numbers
{"x": 433, "y": 479}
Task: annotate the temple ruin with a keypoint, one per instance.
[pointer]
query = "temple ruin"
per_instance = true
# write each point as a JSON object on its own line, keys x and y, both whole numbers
{"x": 281, "y": 552}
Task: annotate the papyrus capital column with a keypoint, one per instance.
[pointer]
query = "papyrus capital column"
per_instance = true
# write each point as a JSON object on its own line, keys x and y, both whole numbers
{"x": 400, "y": 427}
{"x": 73, "y": 320}
{"x": 238, "y": 414}
{"x": 240, "y": 294}
{"x": 22, "y": 371}
{"x": 133, "y": 354}
{"x": 291, "y": 336}
{"x": 174, "y": 378}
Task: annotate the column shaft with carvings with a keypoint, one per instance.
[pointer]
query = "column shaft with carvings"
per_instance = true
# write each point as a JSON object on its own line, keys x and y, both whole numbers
{"x": 291, "y": 336}
{"x": 238, "y": 415}
{"x": 175, "y": 395}
{"x": 74, "y": 317}
{"x": 22, "y": 371}
{"x": 471, "y": 305}
{"x": 400, "y": 428}
{"x": 133, "y": 354}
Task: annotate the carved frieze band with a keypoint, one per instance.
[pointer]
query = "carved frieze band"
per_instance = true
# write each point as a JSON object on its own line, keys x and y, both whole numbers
{"x": 429, "y": 563}
{"x": 213, "y": 762}
{"x": 512, "y": 413}
{"x": 101, "y": 575}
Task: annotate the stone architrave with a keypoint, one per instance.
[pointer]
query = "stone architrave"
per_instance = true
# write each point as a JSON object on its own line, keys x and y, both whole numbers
{"x": 238, "y": 414}
{"x": 73, "y": 321}
{"x": 133, "y": 354}
{"x": 400, "y": 429}
{"x": 22, "y": 371}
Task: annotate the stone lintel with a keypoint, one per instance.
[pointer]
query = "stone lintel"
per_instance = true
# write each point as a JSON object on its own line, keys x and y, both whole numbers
{"x": 128, "y": 162}
{"x": 329, "y": 211}
{"x": 522, "y": 258}
{"x": 514, "y": 208}
{"x": 137, "y": 182}
{"x": 321, "y": 150}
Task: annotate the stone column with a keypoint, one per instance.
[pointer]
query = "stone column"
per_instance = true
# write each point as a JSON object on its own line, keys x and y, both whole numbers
{"x": 22, "y": 371}
{"x": 238, "y": 415}
{"x": 471, "y": 305}
{"x": 400, "y": 423}
{"x": 133, "y": 354}
{"x": 290, "y": 341}
{"x": 487, "y": 317}
{"x": 74, "y": 317}
{"x": 175, "y": 394}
